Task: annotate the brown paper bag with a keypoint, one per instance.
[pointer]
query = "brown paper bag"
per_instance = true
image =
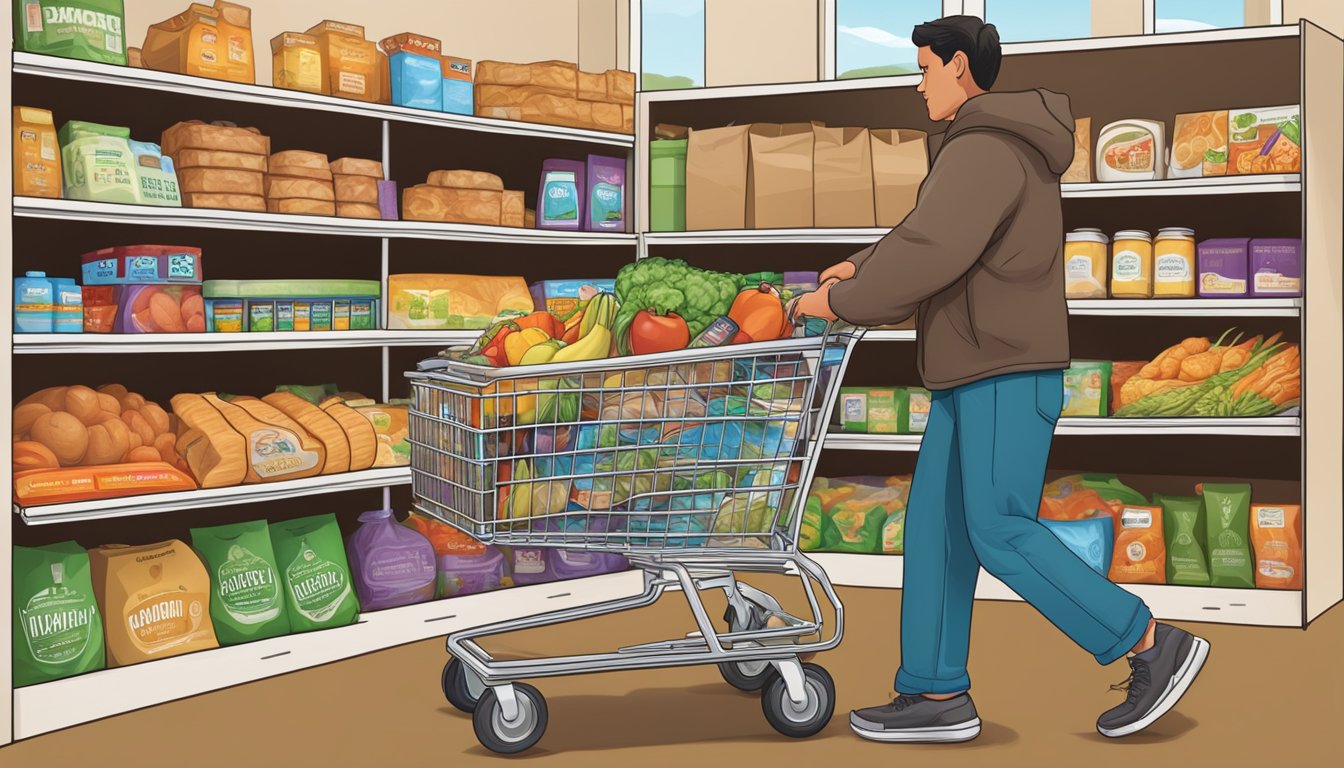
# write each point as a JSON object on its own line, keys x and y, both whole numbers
{"x": 779, "y": 176}
{"x": 843, "y": 177}
{"x": 716, "y": 178}
{"x": 1080, "y": 170}
{"x": 900, "y": 163}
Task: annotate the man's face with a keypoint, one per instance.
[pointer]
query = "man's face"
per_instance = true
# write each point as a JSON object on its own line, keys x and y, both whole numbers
{"x": 943, "y": 94}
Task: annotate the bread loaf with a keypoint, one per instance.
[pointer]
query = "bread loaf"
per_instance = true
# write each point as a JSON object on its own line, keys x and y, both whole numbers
{"x": 534, "y": 106}
{"x": 357, "y": 189}
{"x": 592, "y": 87}
{"x": 358, "y": 211}
{"x": 605, "y": 116}
{"x": 627, "y": 119}
{"x": 298, "y": 158}
{"x": 354, "y": 166}
{"x": 558, "y": 76}
{"x": 530, "y": 218}
{"x": 511, "y": 209}
{"x": 320, "y": 424}
{"x": 277, "y": 447}
{"x": 209, "y": 158}
{"x": 621, "y": 86}
{"x": 465, "y": 180}
{"x": 299, "y": 172}
{"x": 466, "y": 206}
{"x": 215, "y": 452}
{"x": 225, "y": 201}
{"x": 220, "y": 181}
{"x": 284, "y": 188}
{"x": 302, "y": 206}
{"x": 363, "y": 439}
{"x": 198, "y": 135}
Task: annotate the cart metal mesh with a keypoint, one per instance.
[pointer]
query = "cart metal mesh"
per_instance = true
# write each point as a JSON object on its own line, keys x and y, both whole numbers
{"x": 691, "y": 452}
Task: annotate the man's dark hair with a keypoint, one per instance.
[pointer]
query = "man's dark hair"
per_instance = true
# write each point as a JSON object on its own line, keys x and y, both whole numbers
{"x": 968, "y": 34}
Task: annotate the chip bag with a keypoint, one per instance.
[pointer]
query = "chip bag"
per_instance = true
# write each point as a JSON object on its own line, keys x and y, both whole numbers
{"x": 1069, "y": 499}
{"x": 1140, "y": 550}
{"x": 1276, "y": 534}
{"x": 1228, "y": 513}
{"x": 1183, "y": 523}
{"x": 859, "y": 525}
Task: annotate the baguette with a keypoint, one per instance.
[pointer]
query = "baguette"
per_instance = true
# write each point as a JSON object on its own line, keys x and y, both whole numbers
{"x": 320, "y": 424}
{"x": 363, "y": 439}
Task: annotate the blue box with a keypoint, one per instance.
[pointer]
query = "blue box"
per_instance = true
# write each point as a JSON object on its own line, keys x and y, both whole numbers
{"x": 414, "y": 71}
{"x": 458, "y": 96}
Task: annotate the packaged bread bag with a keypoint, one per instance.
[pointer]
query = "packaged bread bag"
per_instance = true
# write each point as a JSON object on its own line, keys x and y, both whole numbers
{"x": 316, "y": 575}
{"x": 214, "y": 42}
{"x": 37, "y": 154}
{"x": 1276, "y": 533}
{"x": 246, "y": 599}
{"x": 1140, "y": 550}
{"x": 155, "y": 600}
{"x": 58, "y": 631}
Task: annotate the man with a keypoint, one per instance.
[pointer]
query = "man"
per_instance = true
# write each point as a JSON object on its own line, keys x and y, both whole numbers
{"x": 980, "y": 259}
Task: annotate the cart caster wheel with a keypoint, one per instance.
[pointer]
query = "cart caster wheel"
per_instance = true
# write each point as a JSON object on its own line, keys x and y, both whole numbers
{"x": 502, "y": 736}
{"x": 748, "y": 676}
{"x": 456, "y": 688}
{"x": 811, "y": 717}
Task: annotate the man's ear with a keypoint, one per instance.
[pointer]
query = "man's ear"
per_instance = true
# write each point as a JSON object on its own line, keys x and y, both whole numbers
{"x": 961, "y": 64}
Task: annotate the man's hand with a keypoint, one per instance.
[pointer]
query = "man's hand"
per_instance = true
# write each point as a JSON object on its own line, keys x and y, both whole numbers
{"x": 842, "y": 271}
{"x": 815, "y": 304}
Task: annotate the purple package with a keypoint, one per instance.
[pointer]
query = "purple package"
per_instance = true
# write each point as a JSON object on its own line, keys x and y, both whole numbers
{"x": 1276, "y": 267}
{"x": 1223, "y": 267}
{"x": 560, "y": 198}
{"x": 393, "y": 565}
{"x": 529, "y": 565}
{"x": 470, "y": 574}
{"x": 578, "y": 563}
{"x": 606, "y": 194}
{"x": 538, "y": 291}
{"x": 387, "y": 199}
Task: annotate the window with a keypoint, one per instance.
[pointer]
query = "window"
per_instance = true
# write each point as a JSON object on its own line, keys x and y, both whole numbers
{"x": 872, "y": 37}
{"x": 1194, "y": 15}
{"x": 1030, "y": 20}
{"x": 672, "y": 44}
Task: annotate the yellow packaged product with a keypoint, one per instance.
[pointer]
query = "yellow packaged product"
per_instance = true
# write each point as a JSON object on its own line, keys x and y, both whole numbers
{"x": 37, "y": 154}
{"x": 453, "y": 302}
{"x": 391, "y": 423}
{"x": 1132, "y": 265}
{"x": 1085, "y": 264}
{"x": 1174, "y": 263}
{"x": 351, "y": 65}
{"x": 296, "y": 62}
{"x": 1199, "y": 145}
{"x": 214, "y": 42}
{"x": 155, "y": 600}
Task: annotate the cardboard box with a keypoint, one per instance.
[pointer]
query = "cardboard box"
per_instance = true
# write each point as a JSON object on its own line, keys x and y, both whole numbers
{"x": 779, "y": 176}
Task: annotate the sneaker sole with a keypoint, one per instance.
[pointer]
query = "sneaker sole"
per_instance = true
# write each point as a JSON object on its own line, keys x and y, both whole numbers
{"x": 946, "y": 734}
{"x": 1185, "y": 677}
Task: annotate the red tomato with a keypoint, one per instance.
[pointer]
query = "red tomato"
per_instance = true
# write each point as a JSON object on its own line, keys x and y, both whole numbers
{"x": 650, "y": 333}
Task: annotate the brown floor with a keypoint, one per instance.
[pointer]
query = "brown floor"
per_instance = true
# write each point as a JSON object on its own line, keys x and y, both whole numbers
{"x": 1269, "y": 697}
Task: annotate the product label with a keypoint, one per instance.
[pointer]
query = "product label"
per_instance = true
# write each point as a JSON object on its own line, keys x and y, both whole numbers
{"x": 1078, "y": 268}
{"x": 1171, "y": 268}
{"x": 919, "y": 412}
{"x": 529, "y": 561}
{"x": 82, "y": 17}
{"x": 351, "y": 82}
{"x": 560, "y": 197}
{"x": 606, "y": 205}
{"x": 165, "y": 619}
{"x": 1269, "y": 517}
{"x": 228, "y": 318}
{"x": 260, "y": 317}
{"x": 284, "y": 316}
{"x": 56, "y": 622}
{"x": 303, "y": 316}
{"x": 361, "y": 315}
{"x": 1272, "y": 282}
{"x": 340, "y": 316}
{"x": 398, "y": 564}
{"x": 855, "y": 408}
{"x": 248, "y": 588}
{"x": 317, "y": 586}
{"x": 275, "y": 451}
{"x": 1127, "y": 265}
{"x": 1136, "y": 551}
{"x": 142, "y": 269}
{"x": 32, "y": 15}
{"x": 320, "y": 316}
{"x": 1212, "y": 282}
{"x": 1136, "y": 518}
{"x": 182, "y": 266}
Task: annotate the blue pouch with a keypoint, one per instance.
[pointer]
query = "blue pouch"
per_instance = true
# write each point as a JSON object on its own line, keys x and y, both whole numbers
{"x": 1090, "y": 539}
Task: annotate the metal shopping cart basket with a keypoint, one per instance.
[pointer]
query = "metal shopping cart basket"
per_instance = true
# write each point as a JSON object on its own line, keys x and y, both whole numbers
{"x": 693, "y": 464}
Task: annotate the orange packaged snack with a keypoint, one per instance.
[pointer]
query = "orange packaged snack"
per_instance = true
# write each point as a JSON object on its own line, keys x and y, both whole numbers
{"x": 1140, "y": 549}
{"x": 1276, "y": 535}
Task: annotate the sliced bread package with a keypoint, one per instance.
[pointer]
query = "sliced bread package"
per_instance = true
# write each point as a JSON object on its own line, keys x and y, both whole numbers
{"x": 155, "y": 600}
{"x": 58, "y": 631}
{"x": 311, "y": 558}
{"x": 246, "y": 601}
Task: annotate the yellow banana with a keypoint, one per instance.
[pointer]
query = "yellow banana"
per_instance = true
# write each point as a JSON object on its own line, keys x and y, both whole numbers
{"x": 541, "y": 353}
{"x": 593, "y": 346}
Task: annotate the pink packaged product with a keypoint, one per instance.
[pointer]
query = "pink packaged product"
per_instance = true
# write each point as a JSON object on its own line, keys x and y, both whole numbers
{"x": 1276, "y": 267}
{"x": 392, "y": 564}
{"x": 1223, "y": 267}
{"x": 387, "y": 199}
{"x": 470, "y": 574}
{"x": 143, "y": 309}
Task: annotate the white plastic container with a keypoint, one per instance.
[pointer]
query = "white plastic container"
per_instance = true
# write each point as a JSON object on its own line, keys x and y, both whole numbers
{"x": 1131, "y": 150}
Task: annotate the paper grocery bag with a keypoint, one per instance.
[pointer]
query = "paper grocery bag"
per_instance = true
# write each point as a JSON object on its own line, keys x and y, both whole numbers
{"x": 779, "y": 176}
{"x": 716, "y": 178}
{"x": 900, "y": 163}
{"x": 1080, "y": 170}
{"x": 842, "y": 177}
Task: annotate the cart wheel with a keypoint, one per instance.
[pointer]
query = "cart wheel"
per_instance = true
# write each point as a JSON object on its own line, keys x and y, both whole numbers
{"x": 749, "y": 676}
{"x": 455, "y": 686}
{"x": 507, "y": 738}
{"x": 793, "y": 720}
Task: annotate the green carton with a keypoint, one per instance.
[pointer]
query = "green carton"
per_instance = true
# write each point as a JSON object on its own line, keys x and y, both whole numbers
{"x": 852, "y": 409}
{"x": 667, "y": 185}
{"x": 91, "y": 30}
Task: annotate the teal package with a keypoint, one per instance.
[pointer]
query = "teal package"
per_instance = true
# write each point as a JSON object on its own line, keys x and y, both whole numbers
{"x": 417, "y": 81}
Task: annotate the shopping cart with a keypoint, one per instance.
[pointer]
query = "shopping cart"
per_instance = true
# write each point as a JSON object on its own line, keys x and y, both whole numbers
{"x": 693, "y": 464}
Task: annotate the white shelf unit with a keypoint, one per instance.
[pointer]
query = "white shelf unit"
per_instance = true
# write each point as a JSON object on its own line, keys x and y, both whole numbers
{"x": 124, "y": 343}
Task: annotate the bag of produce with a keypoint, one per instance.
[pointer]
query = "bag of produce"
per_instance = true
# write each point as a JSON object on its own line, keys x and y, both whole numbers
{"x": 246, "y": 601}
{"x": 58, "y": 631}
{"x": 311, "y": 556}
{"x": 1227, "y": 533}
{"x": 1184, "y": 525}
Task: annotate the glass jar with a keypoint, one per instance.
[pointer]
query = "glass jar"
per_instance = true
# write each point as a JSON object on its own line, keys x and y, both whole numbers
{"x": 1174, "y": 263}
{"x": 1132, "y": 265}
{"x": 1085, "y": 264}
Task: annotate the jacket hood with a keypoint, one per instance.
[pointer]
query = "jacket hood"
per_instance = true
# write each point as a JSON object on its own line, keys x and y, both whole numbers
{"x": 1039, "y": 117}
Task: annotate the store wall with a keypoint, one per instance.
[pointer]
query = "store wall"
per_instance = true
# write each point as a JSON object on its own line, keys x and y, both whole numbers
{"x": 508, "y": 30}
{"x": 760, "y": 41}
{"x": 1117, "y": 17}
{"x": 1327, "y": 14}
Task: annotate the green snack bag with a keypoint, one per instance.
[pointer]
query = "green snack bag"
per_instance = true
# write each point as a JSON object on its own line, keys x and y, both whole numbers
{"x": 1228, "y": 528}
{"x": 1183, "y": 523}
{"x": 893, "y": 533}
{"x": 58, "y": 631}
{"x": 1110, "y": 488}
{"x": 91, "y": 30}
{"x": 246, "y": 599}
{"x": 860, "y": 527}
{"x": 809, "y": 532}
{"x": 313, "y": 568}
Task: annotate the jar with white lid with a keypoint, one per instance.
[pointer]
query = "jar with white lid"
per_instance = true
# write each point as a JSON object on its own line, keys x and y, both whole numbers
{"x": 1174, "y": 274}
{"x": 1132, "y": 265}
{"x": 1085, "y": 264}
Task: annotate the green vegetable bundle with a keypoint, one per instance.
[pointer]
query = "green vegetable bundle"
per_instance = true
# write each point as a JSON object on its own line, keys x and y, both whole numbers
{"x": 671, "y": 285}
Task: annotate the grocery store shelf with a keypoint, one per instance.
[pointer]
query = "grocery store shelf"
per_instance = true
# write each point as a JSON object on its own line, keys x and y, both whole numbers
{"x": 801, "y": 235}
{"x": 138, "y": 343}
{"x": 60, "y": 704}
{"x": 846, "y": 441}
{"x": 114, "y": 213}
{"x": 1213, "y": 185}
{"x": 177, "y": 501}
{"x": 1257, "y": 607}
{"x": 1187, "y": 307}
{"x": 1271, "y": 426}
{"x": 883, "y": 334}
{"x": 108, "y": 74}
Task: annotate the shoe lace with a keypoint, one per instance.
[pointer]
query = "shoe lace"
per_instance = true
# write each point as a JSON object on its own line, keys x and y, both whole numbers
{"x": 901, "y": 701}
{"x": 1140, "y": 677}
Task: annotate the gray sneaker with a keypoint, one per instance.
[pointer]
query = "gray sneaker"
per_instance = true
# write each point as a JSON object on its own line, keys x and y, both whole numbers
{"x": 1158, "y": 678}
{"x": 915, "y": 720}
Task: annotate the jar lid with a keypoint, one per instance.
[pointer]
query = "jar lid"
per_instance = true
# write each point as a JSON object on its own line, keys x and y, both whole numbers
{"x": 1085, "y": 236}
{"x": 1133, "y": 234}
{"x": 1176, "y": 232}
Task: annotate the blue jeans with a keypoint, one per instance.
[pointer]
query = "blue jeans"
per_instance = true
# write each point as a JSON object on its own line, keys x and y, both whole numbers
{"x": 976, "y": 492}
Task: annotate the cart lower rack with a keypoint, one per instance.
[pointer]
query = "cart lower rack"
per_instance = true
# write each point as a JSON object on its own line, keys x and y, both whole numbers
{"x": 694, "y": 465}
